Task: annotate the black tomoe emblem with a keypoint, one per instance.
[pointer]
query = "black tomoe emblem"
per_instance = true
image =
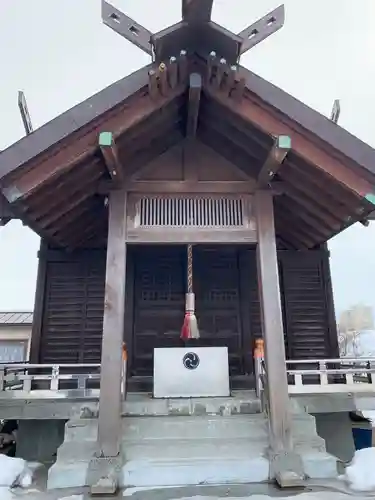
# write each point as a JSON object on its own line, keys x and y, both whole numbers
{"x": 191, "y": 360}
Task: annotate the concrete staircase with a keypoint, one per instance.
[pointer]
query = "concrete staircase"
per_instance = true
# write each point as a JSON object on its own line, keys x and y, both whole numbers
{"x": 189, "y": 442}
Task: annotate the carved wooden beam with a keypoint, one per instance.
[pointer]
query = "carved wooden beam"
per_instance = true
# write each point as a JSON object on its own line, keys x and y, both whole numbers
{"x": 62, "y": 159}
{"x": 196, "y": 10}
{"x": 274, "y": 160}
{"x": 262, "y": 29}
{"x": 126, "y": 27}
{"x": 110, "y": 154}
{"x": 25, "y": 115}
{"x": 266, "y": 121}
{"x": 195, "y": 90}
{"x": 186, "y": 186}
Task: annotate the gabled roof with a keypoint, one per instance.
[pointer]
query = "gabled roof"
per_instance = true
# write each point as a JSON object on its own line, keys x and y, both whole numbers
{"x": 51, "y": 177}
{"x": 16, "y": 318}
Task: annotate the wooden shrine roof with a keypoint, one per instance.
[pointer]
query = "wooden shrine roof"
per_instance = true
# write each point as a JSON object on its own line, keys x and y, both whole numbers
{"x": 51, "y": 178}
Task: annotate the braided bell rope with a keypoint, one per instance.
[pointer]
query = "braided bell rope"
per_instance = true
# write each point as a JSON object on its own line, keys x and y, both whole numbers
{"x": 190, "y": 269}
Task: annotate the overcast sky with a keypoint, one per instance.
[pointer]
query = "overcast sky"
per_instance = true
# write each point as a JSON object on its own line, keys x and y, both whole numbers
{"x": 59, "y": 53}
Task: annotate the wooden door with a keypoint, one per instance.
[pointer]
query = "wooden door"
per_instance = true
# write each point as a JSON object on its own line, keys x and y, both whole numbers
{"x": 159, "y": 300}
{"x": 216, "y": 283}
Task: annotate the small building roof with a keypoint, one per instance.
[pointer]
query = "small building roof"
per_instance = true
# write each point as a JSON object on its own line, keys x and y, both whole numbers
{"x": 16, "y": 318}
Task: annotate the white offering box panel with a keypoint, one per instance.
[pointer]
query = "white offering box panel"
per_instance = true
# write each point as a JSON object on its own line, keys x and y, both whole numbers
{"x": 181, "y": 372}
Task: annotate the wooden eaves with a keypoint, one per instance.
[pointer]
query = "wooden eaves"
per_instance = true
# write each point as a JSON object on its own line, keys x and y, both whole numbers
{"x": 52, "y": 176}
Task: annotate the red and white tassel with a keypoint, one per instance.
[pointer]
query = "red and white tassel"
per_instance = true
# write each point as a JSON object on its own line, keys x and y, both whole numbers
{"x": 190, "y": 328}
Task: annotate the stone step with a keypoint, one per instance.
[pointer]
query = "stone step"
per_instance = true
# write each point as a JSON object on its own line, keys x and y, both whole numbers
{"x": 144, "y": 473}
{"x": 192, "y": 427}
{"x": 241, "y": 402}
{"x": 181, "y": 449}
{"x": 141, "y": 404}
{"x": 161, "y": 428}
{"x": 184, "y": 448}
{"x": 253, "y": 468}
{"x": 173, "y": 450}
{"x": 192, "y": 449}
{"x": 141, "y": 473}
{"x": 203, "y": 427}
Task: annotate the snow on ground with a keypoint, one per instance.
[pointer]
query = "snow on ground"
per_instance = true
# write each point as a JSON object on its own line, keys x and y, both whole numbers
{"x": 359, "y": 475}
{"x": 6, "y": 494}
{"x": 15, "y": 472}
{"x": 370, "y": 415}
{"x": 74, "y": 497}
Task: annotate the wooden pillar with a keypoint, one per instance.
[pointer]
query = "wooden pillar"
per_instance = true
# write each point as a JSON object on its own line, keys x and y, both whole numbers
{"x": 272, "y": 324}
{"x": 109, "y": 426}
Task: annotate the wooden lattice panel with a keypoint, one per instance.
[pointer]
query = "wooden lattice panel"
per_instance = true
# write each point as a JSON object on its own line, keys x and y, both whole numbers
{"x": 194, "y": 218}
{"x": 190, "y": 212}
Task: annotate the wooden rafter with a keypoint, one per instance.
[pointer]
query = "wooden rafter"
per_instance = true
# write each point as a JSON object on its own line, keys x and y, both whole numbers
{"x": 127, "y": 27}
{"x": 262, "y": 29}
{"x": 274, "y": 160}
{"x": 71, "y": 203}
{"x": 109, "y": 151}
{"x": 195, "y": 89}
{"x": 264, "y": 120}
{"x": 63, "y": 159}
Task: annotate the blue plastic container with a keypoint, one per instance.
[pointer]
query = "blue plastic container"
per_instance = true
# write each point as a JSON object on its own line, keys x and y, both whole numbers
{"x": 362, "y": 437}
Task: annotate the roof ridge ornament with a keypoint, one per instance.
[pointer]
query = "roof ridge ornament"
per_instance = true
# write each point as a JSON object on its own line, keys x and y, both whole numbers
{"x": 336, "y": 110}
{"x": 196, "y": 32}
{"x": 25, "y": 115}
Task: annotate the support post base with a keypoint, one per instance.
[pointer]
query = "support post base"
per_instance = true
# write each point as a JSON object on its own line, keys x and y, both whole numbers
{"x": 287, "y": 468}
{"x": 103, "y": 475}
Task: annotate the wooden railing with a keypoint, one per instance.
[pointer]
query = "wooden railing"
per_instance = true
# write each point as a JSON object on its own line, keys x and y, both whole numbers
{"x": 321, "y": 376}
{"x": 314, "y": 376}
{"x": 331, "y": 375}
{"x": 26, "y": 380}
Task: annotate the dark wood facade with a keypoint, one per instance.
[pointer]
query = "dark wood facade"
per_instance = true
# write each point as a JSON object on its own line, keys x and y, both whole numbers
{"x": 71, "y": 289}
{"x": 192, "y": 128}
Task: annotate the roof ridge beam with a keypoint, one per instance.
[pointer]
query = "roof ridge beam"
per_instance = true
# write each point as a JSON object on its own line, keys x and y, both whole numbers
{"x": 197, "y": 11}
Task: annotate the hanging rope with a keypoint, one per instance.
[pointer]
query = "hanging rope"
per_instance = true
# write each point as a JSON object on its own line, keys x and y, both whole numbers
{"x": 190, "y": 269}
{"x": 190, "y": 327}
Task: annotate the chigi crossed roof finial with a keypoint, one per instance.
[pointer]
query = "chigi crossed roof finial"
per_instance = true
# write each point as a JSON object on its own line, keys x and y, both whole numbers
{"x": 196, "y": 32}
